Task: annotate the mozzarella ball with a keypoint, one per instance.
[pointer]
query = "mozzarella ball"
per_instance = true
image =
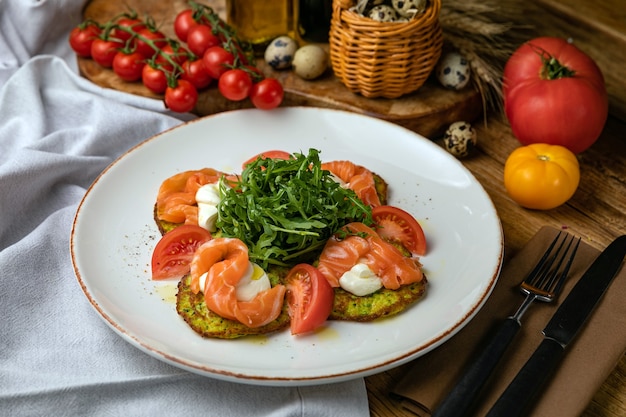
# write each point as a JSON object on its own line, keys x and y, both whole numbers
{"x": 279, "y": 53}
{"x": 453, "y": 71}
{"x": 310, "y": 62}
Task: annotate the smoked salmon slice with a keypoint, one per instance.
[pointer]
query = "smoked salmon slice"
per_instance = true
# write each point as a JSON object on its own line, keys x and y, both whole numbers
{"x": 225, "y": 260}
{"x": 176, "y": 199}
{"x": 358, "y": 243}
{"x": 357, "y": 178}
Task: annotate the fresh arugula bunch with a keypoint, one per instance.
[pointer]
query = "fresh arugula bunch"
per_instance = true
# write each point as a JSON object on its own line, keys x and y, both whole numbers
{"x": 285, "y": 210}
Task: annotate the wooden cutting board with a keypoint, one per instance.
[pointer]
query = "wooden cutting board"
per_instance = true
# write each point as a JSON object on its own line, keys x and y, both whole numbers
{"x": 428, "y": 111}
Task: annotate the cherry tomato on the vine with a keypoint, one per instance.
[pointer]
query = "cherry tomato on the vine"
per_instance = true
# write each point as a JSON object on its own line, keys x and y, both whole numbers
{"x": 183, "y": 22}
{"x": 146, "y": 36}
{"x": 125, "y": 27}
{"x": 154, "y": 79}
{"x": 82, "y": 37}
{"x": 103, "y": 51}
{"x": 267, "y": 94}
{"x": 128, "y": 66}
{"x": 194, "y": 72}
{"x": 217, "y": 61}
{"x": 200, "y": 38}
{"x": 175, "y": 52}
{"x": 235, "y": 84}
{"x": 181, "y": 98}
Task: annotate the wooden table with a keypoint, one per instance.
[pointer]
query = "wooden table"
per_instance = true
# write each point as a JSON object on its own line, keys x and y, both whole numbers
{"x": 597, "y": 213}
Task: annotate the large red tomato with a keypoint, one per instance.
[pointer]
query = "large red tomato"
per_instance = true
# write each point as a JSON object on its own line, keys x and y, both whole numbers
{"x": 554, "y": 93}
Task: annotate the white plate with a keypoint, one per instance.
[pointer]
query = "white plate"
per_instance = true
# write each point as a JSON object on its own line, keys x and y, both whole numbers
{"x": 114, "y": 233}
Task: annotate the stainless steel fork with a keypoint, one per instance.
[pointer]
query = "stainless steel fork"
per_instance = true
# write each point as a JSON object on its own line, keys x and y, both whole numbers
{"x": 543, "y": 283}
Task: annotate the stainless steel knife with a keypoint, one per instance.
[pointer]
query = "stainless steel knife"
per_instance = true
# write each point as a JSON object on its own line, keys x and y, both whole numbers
{"x": 560, "y": 331}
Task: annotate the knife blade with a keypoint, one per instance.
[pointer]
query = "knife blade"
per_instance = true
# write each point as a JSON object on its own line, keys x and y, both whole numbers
{"x": 562, "y": 328}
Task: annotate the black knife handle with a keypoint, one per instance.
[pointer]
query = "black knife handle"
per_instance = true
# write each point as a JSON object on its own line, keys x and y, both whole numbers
{"x": 464, "y": 394}
{"x": 522, "y": 391}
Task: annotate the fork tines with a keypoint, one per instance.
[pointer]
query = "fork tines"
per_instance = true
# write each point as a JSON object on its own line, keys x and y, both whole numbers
{"x": 547, "y": 278}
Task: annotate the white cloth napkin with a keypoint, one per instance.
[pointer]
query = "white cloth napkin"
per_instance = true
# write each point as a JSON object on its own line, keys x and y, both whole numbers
{"x": 57, "y": 357}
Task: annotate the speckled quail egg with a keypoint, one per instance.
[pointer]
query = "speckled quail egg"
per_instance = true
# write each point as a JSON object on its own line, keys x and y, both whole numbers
{"x": 383, "y": 13}
{"x": 362, "y": 5}
{"x": 310, "y": 61}
{"x": 453, "y": 71}
{"x": 460, "y": 139}
{"x": 279, "y": 53}
{"x": 409, "y": 8}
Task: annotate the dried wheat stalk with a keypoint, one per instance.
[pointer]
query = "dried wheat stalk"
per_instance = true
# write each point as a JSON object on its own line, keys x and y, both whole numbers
{"x": 483, "y": 31}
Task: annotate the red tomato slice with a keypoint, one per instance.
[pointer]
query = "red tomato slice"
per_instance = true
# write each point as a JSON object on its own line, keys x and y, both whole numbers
{"x": 173, "y": 253}
{"x": 310, "y": 298}
{"x": 396, "y": 225}
{"x": 274, "y": 154}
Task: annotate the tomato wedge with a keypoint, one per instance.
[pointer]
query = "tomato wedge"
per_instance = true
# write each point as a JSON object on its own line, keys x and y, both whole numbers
{"x": 173, "y": 253}
{"x": 310, "y": 298}
{"x": 274, "y": 154}
{"x": 397, "y": 226}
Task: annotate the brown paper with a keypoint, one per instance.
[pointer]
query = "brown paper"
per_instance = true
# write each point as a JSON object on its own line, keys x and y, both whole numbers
{"x": 589, "y": 359}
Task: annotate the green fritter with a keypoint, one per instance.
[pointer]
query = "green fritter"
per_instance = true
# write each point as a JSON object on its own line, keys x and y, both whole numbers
{"x": 348, "y": 307}
{"x": 163, "y": 225}
{"x": 381, "y": 188}
{"x": 382, "y": 303}
{"x": 192, "y": 308}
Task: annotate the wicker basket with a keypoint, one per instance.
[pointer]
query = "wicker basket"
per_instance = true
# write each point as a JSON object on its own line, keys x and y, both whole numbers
{"x": 384, "y": 59}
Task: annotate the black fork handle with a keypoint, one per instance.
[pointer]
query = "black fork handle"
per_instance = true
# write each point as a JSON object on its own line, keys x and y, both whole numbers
{"x": 464, "y": 394}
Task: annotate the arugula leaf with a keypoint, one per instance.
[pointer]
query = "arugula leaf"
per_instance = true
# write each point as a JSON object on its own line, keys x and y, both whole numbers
{"x": 285, "y": 210}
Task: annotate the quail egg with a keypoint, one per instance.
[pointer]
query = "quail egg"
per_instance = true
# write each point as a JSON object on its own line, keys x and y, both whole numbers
{"x": 453, "y": 71}
{"x": 310, "y": 61}
{"x": 280, "y": 52}
{"x": 409, "y": 8}
{"x": 460, "y": 139}
{"x": 383, "y": 13}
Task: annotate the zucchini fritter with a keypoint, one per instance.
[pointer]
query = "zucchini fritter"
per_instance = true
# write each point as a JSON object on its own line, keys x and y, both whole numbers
{"x": 203, "y": 321}
{"x": 382, "y": 303}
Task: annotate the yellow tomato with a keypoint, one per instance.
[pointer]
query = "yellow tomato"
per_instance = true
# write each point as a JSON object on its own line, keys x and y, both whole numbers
{"x": 541, "y": 176}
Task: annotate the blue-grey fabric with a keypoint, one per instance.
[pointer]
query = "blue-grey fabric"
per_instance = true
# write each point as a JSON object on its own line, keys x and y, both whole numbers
{"x": 58, "y": 131}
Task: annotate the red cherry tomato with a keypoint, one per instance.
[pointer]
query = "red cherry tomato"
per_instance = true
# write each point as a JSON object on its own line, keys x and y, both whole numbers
{"x": 310, "y": 298}
{"x": 273, "y": 154}
{"x": 128, "y": 66}
{"x": 173, "y": 253}
{"x": 397, "y": 226}
{"x": 175, "y": 53}
{"x": 235, "y": 84}
{"x": 125, "y": 27}
{"x": 81, "y": 38}
{"x": 200, "y": 38}
{"x": 146, "y": 36}
{"x": 103, "y": 51}
{"x": 154, "y": 79}
{"x": 183, "y": 22}
{"x": 182, "y": 98}
{"x": 267, "y": 94}
{"x": 217, "y": 61}
{"x": 194, "y": 72}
